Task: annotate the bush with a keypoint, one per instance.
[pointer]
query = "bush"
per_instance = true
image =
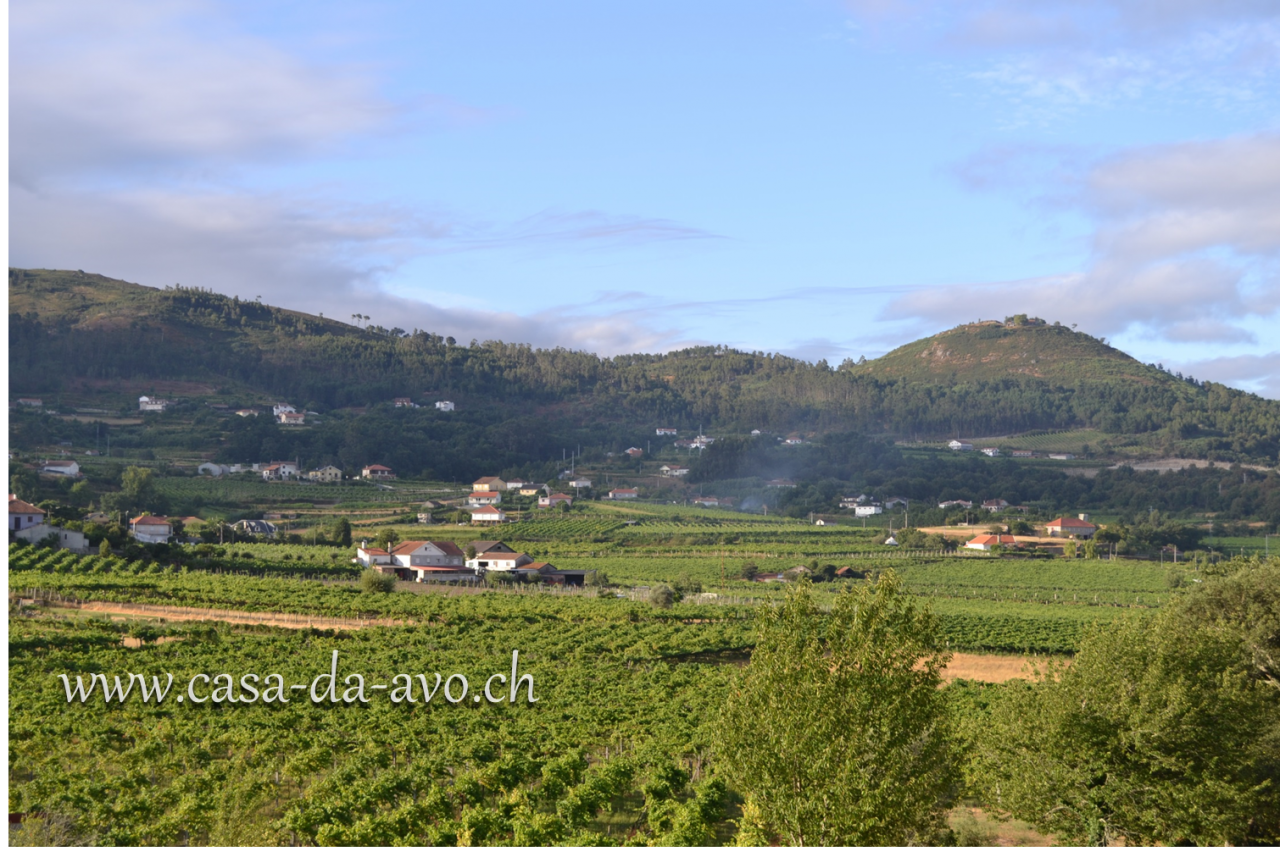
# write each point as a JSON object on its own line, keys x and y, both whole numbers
{"x": 375, "y": 581}
{"x": 662, "y": 596}
{"x": 503, "y": 577}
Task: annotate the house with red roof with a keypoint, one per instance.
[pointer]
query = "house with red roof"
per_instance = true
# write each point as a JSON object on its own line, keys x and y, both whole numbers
{"x": 23, "y": 515}
{"x": 377, "y": 471}
{"x": 554, "y": 500}
{"x": 484, "y": 498}
{"x": 151, "y": 529}
{"x": 1074, "y": 527}
{"x": 488, "y": 514}
{"x": 989, "y": 541}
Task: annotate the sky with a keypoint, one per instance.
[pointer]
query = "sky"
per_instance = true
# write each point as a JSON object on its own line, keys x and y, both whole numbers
{"x": 819, "y": 178}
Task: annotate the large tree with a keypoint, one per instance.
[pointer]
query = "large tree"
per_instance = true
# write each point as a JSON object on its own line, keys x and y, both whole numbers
{"x": 837, "y": 732}
{"x": 1164, "y": 729}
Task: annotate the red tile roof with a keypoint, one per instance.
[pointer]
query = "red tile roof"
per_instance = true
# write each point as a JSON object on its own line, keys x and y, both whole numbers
{"x": 993, "y": 540}
{"x": 149, "y": 521}
{"x": 1071, "y": 522}
{"x": 22, "y": 507}
{"x": 485, "y": 510}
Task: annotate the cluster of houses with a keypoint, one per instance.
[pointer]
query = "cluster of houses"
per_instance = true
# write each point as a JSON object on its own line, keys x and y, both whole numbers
{"x": 1062, "y": 528}
{"x": 29, "y": 523}
{"x": 279, "y": 471}
{"x": 406, "y": 402}
{"x": 864, "y": 505}
{"x": 444, "y": 562}
{"x": 994, "y": 451}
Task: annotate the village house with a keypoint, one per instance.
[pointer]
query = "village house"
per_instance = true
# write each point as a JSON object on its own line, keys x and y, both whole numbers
{"x": 61, "y": 468}
{"x": 147, "y": 403}
{"x": 1073, "y": 527}
{"x": 528, "y": 489}
{"x": 1061, "y": 456}
{"x": 704, "y": 440}
{"x": 960, "y": 446}
{"x": 1022, "y": 453}
{"x": 499, "y": 561}
{"x": 781, "y": 483}
{"x": 964, "y": 504}
{"x": 23, "y": 515}
{"x": 685, "y": 443}
{"x": 444, "y": 405}
{"x": 673, "y": 470}
{"x": 488, "y": 514}
{"x": 894, "y": 502}
{"x": 404, "y": 402}
{"x": 554, "y": 500}
{"x": 824, "y": 522}
{"x": 868, "y": 507}
{"x": 488, "y": 483}
{"x": 282, "y": 408}
{"x": 624, "y": 494}
{"x": 635, "y": 451}
{"x": 377, "y": 471}
{"x": 666, "y": 431}
{"x": 292, "y": 419}
{"x": 280, "y": 470}
{"x": 580, "y": 482}
{"x": 987, "y": 542}
{"x": 256, "y": 527}
{"x": 372, "y": 557}
{"x": 755, "y": 432}
{"x": 516, "y": 484}
{"x": 150, "y": 530}
{"x": 484, "y": 498}
{"x": 991, "y": 451}
{"x": 246, "y": 412}
{"x": 709, "y": 502}
{"x": 428, "y": 554}
{"x": 794, "y": 440}
{"x": 31, "y": 403}
{"x": 328, "y": 473}
{"x": 994, "y": 505}
{"x": 209, "y": 468}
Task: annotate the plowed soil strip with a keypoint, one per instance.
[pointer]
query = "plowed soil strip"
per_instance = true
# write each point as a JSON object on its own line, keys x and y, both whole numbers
{"x": 991, "y": 668}
{"x": 198, "y": 614}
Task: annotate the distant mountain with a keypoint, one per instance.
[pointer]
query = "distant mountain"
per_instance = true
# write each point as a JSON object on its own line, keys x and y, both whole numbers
{"x": 82, "y": 339}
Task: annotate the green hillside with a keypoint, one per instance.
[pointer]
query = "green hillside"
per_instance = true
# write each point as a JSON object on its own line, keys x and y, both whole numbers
{"x": 981, "y": 380}
{"x": 991, "y": 350}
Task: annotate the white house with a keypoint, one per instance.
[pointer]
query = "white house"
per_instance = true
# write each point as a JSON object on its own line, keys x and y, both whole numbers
{"x": 994, "y": 505}
{"x": 246, "y": 412}
{"x": 580, "y": 482}
{"x": 867, "y": 508}
{"x": 499, "y": 561}
{"x": 150, "y": 529}
{"x": 292, "y": 419}
{"x": 488, "y": 514}
{"x": 709, "y": 502}
{"x": 372, "y": 557}
{"x": 624, "y": 494}
{"x": 68, "y": 540}
{"x": 31, "y": 403}
{"x": 256, "y": 528}
{"x": 280, "y": 470}
{"x": 991, "y": 451}
{"x": 208, "y": 468}
{"x": 894, "y": 502}
{"x": 282, "y": 408}
{"x": 554, "y": 500}
{"x": 484, "y": 498}
{"x": 23, "y": 515}
{"x": 677, "y": 470}
{"x": 517, "y": 483}
{"x": 1061, "y": 456}
{"x": 947, "y": 504}
{"x": 755, "y": 432}
{"x": 1023, "y": 453}
{"x": 147, "y": 403}
{"x": 635, "y": 451}
{"x": 429, "y": 554}
{"x": 666, "y": 431}
{"x": 62, "y": 468}
{"x": 794, "y": 440}
{"x": 960, "y": 446}
{"x": 987, "y": 542}
{"x": 444, "y": 405}
{"x": 404, "y": 402}
{"x": 377, "y": 471}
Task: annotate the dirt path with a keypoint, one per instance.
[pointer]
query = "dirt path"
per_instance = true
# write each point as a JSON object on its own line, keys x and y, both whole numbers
{"x": 992, "y": 668}
{"x": 197, "y": 614}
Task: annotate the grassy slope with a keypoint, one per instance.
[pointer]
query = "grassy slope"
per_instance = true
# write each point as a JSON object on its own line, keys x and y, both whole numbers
{"x": 989, "y": 350}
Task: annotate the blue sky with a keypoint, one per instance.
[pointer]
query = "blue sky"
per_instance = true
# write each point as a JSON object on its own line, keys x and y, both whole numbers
{"x": 823, "y": 179}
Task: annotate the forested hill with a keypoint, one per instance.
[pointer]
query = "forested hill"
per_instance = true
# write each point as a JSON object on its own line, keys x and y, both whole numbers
{"x": 74, "y": 336}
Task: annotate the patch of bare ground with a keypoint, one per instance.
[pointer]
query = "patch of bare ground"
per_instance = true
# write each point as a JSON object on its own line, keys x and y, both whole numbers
{"x": 991, "y": 668}
{"x": 974, "y": 826}
{"x": 1163, "y": 465}
{"x": 235, "y": 617}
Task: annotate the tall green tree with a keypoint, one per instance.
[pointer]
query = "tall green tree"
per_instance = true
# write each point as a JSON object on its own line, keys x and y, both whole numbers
{"x": 837, "y": 732}
{"x": 1163, "y": 730}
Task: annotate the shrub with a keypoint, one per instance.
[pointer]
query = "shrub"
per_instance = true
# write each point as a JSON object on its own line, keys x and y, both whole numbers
{"x": 662, "y": 596}
{"x": 375, "y": 581}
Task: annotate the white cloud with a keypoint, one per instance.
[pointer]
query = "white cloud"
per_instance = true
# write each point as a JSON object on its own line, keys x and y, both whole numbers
{"x": 1185, "y": 244}
{"x": 1258, "y": 371}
